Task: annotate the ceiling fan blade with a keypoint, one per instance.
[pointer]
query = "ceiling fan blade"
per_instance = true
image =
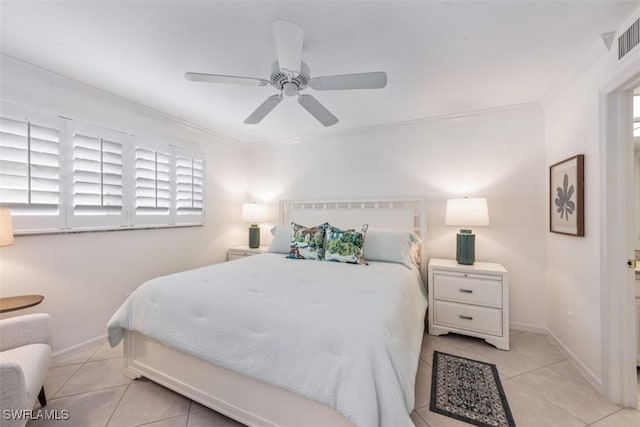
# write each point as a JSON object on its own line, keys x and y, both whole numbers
{"x": 317, "y": 110}
{"x": 264, "y": 109}
{"x": 221, "y": 78}
{"x": 374, "y": 80}
{"x": 288, "y": 38}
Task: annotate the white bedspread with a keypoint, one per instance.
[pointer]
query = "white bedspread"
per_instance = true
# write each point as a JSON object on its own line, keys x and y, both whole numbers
{"x": 345, "y": 335}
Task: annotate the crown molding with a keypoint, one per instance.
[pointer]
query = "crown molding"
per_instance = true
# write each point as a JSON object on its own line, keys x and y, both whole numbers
{"x": 365, "y": 130}
{"x": 93, "y": 91}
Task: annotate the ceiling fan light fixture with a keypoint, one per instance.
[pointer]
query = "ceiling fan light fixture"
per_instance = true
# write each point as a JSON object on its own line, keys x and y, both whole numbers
{"x": 290, "y": 89}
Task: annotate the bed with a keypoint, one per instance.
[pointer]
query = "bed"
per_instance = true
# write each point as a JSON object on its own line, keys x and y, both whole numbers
{"x": 272, "y": 341}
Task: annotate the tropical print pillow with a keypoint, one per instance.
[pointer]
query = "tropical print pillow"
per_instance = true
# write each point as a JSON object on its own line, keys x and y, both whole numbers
{"x": 307, "y": 242}
{"x": 345, "y": 245}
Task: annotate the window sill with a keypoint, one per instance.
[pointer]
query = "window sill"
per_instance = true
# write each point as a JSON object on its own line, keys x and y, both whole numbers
{"x": 100, "y": 229}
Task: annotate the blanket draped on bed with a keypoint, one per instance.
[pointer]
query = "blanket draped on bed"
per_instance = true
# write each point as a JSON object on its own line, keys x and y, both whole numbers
{"x": 345, "y": 335}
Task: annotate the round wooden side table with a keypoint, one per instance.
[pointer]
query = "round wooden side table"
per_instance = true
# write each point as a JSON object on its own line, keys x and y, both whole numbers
{"x": 19, "y": 302}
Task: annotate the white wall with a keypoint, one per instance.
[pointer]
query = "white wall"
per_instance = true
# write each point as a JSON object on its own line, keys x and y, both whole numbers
{"x": 496, "y": 154}
{"x": 84, "y": 276}
{"x": 573, "y": 126}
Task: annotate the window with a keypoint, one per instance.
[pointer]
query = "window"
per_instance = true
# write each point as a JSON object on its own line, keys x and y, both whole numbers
{"x": 58, "y": 174}
{"x": 189, "y": 184}
{"x": 97, "y": 171}
{"x": 152, "y": 183}
{"x": 30, "y": 153}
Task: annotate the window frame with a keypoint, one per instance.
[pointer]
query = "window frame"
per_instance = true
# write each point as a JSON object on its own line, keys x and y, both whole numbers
{"x": 66, "y": 220}
{"x": 80, "y": 221}
{"x": 41, "y": 223}
{"x": 189, "y": 218}
{"x": 151, "y": 219}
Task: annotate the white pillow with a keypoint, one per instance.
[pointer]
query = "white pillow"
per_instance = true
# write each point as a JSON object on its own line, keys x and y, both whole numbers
{"x": 281, "y": 243}
{"x": 396, "y": 246}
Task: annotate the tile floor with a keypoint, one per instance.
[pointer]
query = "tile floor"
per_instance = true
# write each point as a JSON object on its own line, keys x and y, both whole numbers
{"x": 542, "y": 388}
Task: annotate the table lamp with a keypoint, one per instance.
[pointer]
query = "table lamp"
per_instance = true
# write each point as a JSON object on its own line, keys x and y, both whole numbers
{"x": 6, "y": 227}
{"x": 466, "y": 212}
{"x": 254, "y": 213}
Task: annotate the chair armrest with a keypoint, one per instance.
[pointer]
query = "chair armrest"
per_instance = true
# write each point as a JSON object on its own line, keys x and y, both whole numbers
{"x": 13, "y": 393}
{"x": 24, "y": 330}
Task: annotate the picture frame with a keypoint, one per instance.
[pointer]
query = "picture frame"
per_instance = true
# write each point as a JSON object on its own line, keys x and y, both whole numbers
{"x": 566, "y": 196}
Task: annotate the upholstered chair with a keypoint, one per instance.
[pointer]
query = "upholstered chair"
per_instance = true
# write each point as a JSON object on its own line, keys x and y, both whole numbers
{"x": 25, "y": 355}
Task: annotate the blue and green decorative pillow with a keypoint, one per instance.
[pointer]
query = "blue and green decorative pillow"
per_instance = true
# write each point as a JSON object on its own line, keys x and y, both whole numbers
{"x": 307, "y": 242}
{"x": 345, "y": 245}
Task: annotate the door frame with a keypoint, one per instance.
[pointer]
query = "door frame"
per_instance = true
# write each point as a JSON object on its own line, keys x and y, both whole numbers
{"x": 617, "y": 238}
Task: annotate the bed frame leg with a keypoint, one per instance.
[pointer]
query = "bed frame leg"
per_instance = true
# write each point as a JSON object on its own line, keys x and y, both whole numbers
{"x": 131, "y": 374}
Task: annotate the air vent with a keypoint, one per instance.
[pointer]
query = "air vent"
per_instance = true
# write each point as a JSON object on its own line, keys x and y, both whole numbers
{"x": 629, "y": 39}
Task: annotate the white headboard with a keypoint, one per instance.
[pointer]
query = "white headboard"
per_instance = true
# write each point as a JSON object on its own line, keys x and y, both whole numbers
{"x": 397, "y": 213}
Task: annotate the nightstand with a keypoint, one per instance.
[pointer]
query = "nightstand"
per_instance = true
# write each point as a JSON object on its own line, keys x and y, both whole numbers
{"x": 245, "y": 251}
{"x": 469, "y": 300}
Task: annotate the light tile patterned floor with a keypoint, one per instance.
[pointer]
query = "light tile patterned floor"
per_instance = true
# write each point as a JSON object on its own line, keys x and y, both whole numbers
{"x": 542, "y": 388}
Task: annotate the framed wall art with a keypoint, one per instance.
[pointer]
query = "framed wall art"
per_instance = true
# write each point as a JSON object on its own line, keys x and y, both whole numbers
{"x": 566, "y": 196}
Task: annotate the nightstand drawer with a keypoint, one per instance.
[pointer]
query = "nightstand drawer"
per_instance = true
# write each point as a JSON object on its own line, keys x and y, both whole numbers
{"x": 469, "y": 317}
{"x": 480, "y": 289}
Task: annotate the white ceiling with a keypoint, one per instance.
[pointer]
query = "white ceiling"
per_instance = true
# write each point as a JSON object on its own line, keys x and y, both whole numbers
{"x": 440, "y": 57}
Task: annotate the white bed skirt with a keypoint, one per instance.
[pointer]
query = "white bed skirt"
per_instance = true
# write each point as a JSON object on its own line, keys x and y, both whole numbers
{"x": 247, "y": 400}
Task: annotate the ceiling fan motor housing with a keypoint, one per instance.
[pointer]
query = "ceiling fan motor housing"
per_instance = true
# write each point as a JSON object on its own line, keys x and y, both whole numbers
{"x": 287, "y": 82}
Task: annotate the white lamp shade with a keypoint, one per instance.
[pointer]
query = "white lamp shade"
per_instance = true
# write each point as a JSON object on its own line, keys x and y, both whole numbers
{"x": 254, "y": 212}
{"x": 6, "y": 228}
{"x": 467, "y": 211}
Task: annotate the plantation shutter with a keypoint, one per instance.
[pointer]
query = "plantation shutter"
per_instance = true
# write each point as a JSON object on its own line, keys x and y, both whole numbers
{"x": 189, "y": 179}
{"x": 152, "y": 164}
{"x": 30, "y": 168}
{"x": 188, "y": 185}
{"x": 61, "y": 174}
{"x": 97, "y": 171}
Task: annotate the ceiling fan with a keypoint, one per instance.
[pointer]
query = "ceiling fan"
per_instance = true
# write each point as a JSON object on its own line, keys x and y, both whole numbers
{"x": 290, "y": 76}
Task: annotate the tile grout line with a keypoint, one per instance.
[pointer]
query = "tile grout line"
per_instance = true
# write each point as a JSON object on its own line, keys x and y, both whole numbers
{"x": 55, "y": 394}
{"x": 189, "y": 413}
{"x": 87, "y": 392}
{"x": 541, "y": 367}
{"x": 606, "y": 416}
{"x": 549, "y": 402}
{"x": 118, "y": 404}
{"x": 552, "y": 403}
{"x": 74, "y": 374}
{"x": 425, "y": 421}
{"x": 157, "y": 421}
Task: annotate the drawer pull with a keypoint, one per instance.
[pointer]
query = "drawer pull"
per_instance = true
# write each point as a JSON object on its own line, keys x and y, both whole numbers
{"x": 466, "y": 291}
{"x": 466, "y": 317}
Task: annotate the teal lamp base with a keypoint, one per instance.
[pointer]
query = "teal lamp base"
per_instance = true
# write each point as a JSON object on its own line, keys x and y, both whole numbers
{"x": 254, "y": 236}
{"x": 466, "y": 247}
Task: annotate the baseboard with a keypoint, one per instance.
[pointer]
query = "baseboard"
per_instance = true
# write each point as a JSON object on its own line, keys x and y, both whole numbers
{"x": 577, "y": 363}
{"x": 528, "y": 327}
{"x": 81, "y": 346}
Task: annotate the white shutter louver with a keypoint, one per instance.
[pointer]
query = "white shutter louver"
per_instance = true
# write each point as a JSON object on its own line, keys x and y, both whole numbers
{"x": 152, "y": 182}
{"x": 29, "y": 167}
{"x": 189, "y": 178}
{"x": 59, "y": 174}
{"x": 97, "y": 175}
